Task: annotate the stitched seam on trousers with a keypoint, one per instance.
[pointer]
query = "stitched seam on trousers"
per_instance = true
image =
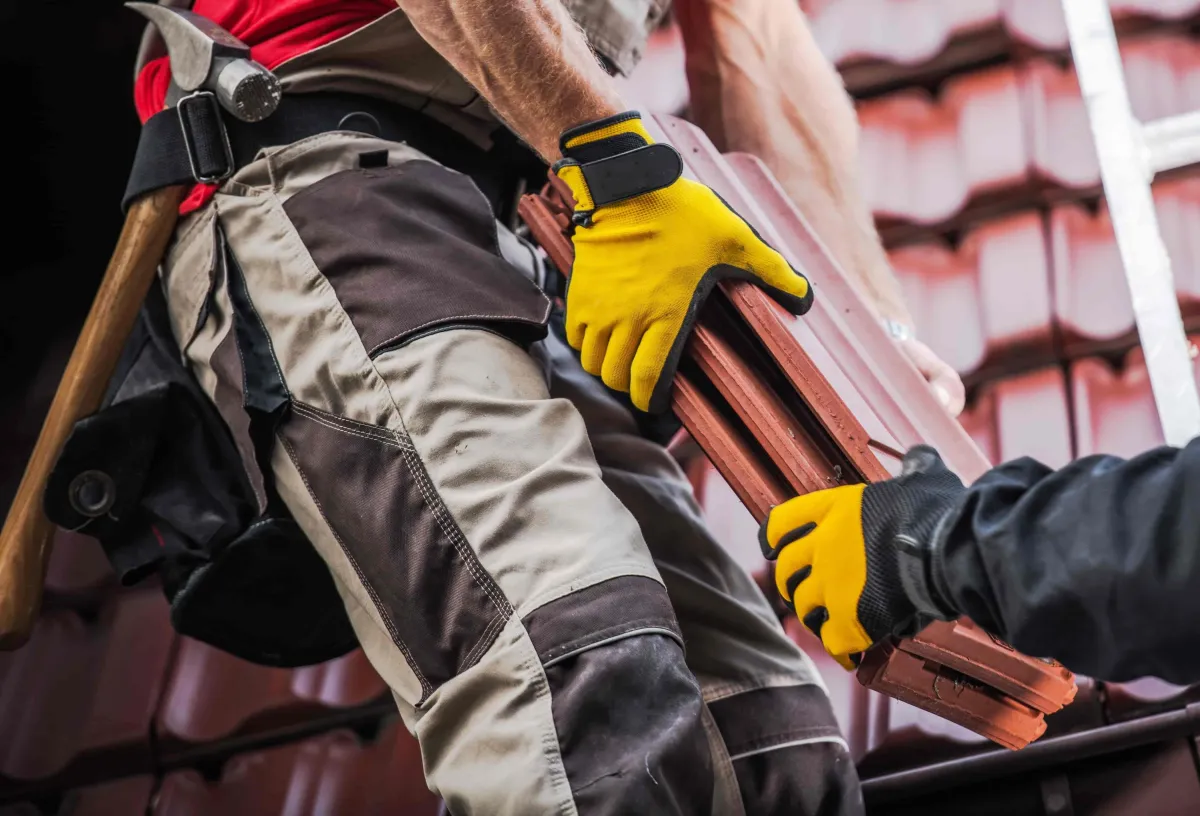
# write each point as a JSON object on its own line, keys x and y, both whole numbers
{"x": 790, "y": 736}
{"x": 621, "y": 635}
{"x": 622, "y": 569}
{"x": 551, "y": 746}
{"x": 792, "y": 744}
{"x": 485, "y": 640}
{"x": 417, "y": 471}
{"x": 349, "y": 431}
{"x": 491, "y": 317}
{"x": 426, "y": 686}
{"x": 723, "y": 691}
{"x": 330, "y": 422}
{"x": 591, "y": 639}
{"x": 448, "y": 525}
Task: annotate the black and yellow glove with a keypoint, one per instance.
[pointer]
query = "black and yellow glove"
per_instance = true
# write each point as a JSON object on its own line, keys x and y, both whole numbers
{"x": 649, "y": 247}
{"x": 856, "y": 563}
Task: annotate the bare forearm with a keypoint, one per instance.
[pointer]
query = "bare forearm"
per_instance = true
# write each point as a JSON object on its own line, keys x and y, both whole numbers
{"x": 526, "y": 57}
{"x": 761, "y": 85}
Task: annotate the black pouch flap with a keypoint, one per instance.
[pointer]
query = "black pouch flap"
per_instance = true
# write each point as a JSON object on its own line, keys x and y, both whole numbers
{"x": 268, "y": 599}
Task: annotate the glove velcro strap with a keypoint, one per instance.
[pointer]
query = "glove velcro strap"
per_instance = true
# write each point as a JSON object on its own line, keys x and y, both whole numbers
{"x": 630, "y": 174}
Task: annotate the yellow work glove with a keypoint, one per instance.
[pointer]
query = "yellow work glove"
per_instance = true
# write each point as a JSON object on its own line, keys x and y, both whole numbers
{"x": 857, "y": 563}
{"x": 649, "y": 247}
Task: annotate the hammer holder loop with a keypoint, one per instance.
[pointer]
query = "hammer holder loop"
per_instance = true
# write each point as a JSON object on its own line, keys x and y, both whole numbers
{"x": 205, "y": 138}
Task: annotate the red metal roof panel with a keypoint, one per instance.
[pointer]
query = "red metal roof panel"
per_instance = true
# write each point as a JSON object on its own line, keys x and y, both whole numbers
{"x": 212, "y": 694}
{"x": 330, "y": 774}
{"x": 81, "y": 694}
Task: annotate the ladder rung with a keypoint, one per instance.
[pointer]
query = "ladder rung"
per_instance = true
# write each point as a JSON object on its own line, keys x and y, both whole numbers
{"x": 1172, "y": 142}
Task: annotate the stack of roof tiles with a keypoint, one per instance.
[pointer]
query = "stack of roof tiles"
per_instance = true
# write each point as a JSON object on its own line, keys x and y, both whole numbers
{"x": 978, "y": 163}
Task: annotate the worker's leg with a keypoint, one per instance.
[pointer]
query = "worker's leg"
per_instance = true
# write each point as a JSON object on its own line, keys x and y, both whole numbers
{"x": 777, "y": 732}
{"x": 496, "y": 584}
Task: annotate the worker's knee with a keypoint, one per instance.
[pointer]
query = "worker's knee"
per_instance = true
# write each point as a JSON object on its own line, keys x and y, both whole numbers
{"x": 627, "y": 711}
{"x": 788, "y": 752}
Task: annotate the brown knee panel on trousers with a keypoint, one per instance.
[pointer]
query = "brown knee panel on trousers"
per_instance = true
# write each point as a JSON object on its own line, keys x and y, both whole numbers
{"x": 787, "y": 752}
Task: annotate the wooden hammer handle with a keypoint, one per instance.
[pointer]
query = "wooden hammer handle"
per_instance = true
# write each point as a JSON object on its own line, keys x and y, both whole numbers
{"x": 25, "y": 539}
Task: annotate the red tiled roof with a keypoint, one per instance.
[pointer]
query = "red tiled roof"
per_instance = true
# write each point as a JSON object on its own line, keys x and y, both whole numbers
{"x": 1000, "y": 136}
{"x": 211, "y": 694}
{"x": 1092, "y": 304}
{"x": 879, "y": 42}
{"x": 986, "y": 302}
{"x": 904, "y": 32}
{"x": 330, "y": 774}
{"x": 81, "y": 694}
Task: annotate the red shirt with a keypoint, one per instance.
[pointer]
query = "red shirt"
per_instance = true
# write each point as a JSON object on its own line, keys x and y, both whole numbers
{"x": 275, "y": 30}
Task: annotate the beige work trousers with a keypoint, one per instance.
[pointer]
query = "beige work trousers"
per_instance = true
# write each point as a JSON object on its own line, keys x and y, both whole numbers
{"x": 531, "y": 577}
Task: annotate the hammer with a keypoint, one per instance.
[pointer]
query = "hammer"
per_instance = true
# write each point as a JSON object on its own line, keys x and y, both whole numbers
{"x": 205, "y": 60}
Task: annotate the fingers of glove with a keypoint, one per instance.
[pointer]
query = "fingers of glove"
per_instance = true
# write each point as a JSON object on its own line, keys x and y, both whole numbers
{"x": 622, "y": 348}
{"x": 808, "y": 597}
{"x": 576, "y": 330}
{"x": 794, "y": 559}
{"x": 592, "y": 352}
{"x": 647, "y": 369}
{"x": 789, "y": 288}
{"x": 843, "y": 638}
{"x": 794, "y": 514}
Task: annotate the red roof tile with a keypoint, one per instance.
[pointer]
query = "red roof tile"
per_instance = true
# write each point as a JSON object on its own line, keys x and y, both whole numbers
{"x": 979, "y": 421}
{"x": 985, "y": 302}
{"x": 212, "y": 694}
{"x": 908, "y": 32}
{"x": 78, "y": 567}
{"x": 124, "y": 797}
{"x": 1114, "y": 410}
{"x": 1001, "y": 134}
{"x": 1092, "y": 304}
{"x": 1028, "y": 416}
{"x": 1041, "y": 24}
{"x": 81, "y": 694}
{"x": 924, "y": 160}
{"x": 330, "y": 774}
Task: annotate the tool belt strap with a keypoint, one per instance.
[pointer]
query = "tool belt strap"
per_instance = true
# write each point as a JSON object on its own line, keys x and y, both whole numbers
{"x": 197, "y": 142}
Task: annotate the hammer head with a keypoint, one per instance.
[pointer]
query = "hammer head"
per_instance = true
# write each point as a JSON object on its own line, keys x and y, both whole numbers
{"x": 206, "y": 57}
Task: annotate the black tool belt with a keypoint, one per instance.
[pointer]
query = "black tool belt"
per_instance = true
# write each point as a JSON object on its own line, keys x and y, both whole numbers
{"x": 198, "y": 142}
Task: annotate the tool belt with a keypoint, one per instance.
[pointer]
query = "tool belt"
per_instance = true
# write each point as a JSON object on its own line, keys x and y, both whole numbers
{"x": 198, "y": 142}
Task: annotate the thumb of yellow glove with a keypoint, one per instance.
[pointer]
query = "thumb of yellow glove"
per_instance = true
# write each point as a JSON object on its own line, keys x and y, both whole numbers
{"x": 650, "y": 246}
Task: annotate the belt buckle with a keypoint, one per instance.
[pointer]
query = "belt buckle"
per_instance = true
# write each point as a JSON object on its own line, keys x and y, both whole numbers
{"x": 182, "y": 107}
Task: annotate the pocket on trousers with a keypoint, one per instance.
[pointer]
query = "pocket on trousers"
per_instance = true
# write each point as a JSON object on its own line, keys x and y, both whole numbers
{"x": 411, "y": 249}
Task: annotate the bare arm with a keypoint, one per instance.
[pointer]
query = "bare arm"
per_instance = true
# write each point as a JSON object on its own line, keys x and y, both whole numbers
{"x": 526, "y": 57}
{"x": 761, "y": 85}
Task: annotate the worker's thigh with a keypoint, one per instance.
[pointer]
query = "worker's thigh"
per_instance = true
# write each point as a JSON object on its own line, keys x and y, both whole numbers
{"x": 494, "y": 581}
{"x": 770, "y": 719}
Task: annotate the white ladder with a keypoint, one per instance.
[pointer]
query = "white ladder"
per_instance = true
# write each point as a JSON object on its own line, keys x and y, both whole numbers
{"x": 1131, "y": 154}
